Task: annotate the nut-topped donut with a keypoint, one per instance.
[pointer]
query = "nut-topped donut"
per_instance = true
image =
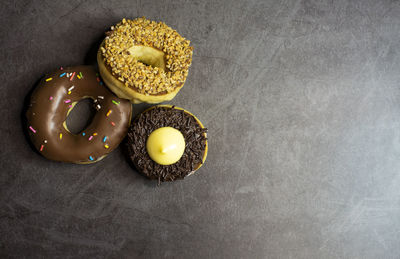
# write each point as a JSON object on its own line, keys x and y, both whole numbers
{"x": 144, "y": 61}
{"x": 50, "y": 104}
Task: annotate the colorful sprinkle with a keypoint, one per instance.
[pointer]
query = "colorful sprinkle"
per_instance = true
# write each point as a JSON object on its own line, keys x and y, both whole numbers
{"x": 70, "y": 106}
{"x": 106, "y": 146}
{"x": 80, "y": 73}
{"x": 61, "y": 68}
{"x": 51, "y": 98}
{"x": 60, "y": 135}
{"x": 97, "y": 74}
{"x": 67, "y": 101}
{"x": 112, "y": 123}
{"x": 100, "y": 97}
{"x": 71, "y": 88}
{"x": 115, "y": 102}
{"x": 45, "y": 141}
{"x": 98, "y": 106}
{"x": 91, "y": 158}
{"x": 108, "y": 113}
{"x": 83, "y": 133}
{"x": 90, "y": 138}
{"x": 98, "y": 79}
{"x": 49, "y": 79}
{"x": 63, "y": 74}
{"x": 104, "y": 139}
{"x": 95, "y": 134}
{"x": 69, "y": 92}
{"x": 101, "y": 83}
{"x": 32, "y": 129}
{"x": 41, "y": 147}
{"x": 72, "y": 77}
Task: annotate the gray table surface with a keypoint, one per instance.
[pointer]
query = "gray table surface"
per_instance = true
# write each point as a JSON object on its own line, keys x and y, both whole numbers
{"x": 302, "y": 103}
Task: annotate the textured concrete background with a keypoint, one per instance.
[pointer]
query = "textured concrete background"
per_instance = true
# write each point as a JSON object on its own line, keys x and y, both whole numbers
{"x": 302, "y": 102}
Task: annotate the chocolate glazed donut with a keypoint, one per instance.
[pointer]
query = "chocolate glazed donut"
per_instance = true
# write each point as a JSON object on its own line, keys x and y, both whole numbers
{"x": 55, "y": 97}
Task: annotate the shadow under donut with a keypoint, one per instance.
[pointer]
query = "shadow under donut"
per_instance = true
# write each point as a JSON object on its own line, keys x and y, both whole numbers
{"x": 91, "y": 54}
{"x": 24, "y": 110}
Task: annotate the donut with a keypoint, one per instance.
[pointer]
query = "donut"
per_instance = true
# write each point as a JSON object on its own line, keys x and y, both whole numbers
{"x": 54, "y": 98}
{"x": 166, "y": 117}
{"x": 144, "y": 61}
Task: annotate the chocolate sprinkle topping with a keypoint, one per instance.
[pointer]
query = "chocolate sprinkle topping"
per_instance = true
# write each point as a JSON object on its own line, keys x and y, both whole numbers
{"x": 146, "y": 123}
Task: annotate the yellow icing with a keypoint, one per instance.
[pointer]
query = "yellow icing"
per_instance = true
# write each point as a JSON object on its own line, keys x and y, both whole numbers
{"x": 165, "y": 145}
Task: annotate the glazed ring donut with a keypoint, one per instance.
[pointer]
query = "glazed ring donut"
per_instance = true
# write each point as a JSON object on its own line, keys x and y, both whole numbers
{"x": 55, "y": 97}
{"x": 144, "y": 61}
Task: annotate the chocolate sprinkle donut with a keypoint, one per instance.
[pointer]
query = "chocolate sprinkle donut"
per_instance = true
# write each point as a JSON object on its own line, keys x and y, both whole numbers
{"x": 162, "y": 116}
{"x": 50, "y": 104}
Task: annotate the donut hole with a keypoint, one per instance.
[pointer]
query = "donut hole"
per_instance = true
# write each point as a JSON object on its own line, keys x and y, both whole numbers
{"x": 148, "y": 56}
{"x": 80, "y": 116}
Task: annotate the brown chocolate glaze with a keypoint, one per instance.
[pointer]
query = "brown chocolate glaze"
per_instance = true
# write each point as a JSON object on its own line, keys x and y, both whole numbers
{"x": 50, "y": 104}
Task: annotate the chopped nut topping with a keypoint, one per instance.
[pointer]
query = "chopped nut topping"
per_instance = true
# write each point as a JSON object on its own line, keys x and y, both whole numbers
{"x": 135, "y": 74}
